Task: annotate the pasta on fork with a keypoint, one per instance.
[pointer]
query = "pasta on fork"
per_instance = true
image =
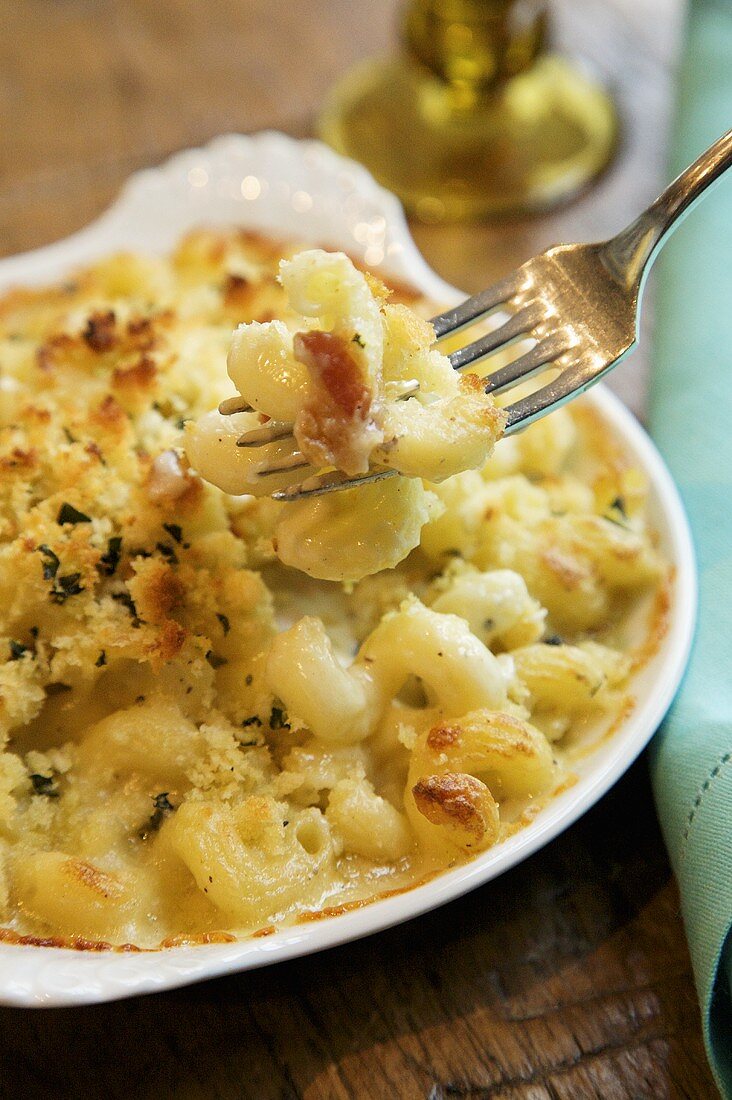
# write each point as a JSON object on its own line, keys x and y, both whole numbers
{"x": 360, "y": 386}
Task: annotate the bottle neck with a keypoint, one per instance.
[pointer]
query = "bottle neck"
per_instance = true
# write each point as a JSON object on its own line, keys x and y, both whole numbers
{"x": 475, "y": 45}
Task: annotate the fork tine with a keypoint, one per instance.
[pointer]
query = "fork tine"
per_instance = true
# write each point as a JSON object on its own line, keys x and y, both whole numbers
{"x": 471, "y": 310}
{"x": 234, "y": 405}
{"x": 518, "y": 370}
{"x": 519, "y": 324}
{"x": 294, "y": 460}
{"x": 574, "y": 380}
{"x": 268, "y": 433}
{"x": 331, "y": 482}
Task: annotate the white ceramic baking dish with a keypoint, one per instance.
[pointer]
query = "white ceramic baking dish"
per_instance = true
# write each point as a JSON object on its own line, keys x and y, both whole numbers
{"x": 303, "y": 190}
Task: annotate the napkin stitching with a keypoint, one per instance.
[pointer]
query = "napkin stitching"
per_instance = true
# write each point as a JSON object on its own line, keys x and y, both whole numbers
{"x": 723, "y": 760}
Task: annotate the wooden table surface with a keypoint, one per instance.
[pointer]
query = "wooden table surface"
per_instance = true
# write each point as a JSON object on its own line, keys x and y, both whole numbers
{"x": 567, "y": 978}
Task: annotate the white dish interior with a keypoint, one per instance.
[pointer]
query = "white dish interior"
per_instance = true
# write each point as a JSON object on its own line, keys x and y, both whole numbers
{"x": 303, "y": 190}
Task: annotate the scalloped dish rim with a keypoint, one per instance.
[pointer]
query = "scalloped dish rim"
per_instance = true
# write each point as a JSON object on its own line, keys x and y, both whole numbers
{"x": 293, "y": 188}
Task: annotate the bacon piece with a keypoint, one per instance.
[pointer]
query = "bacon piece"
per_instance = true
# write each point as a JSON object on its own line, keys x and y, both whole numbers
{"x": 337, "y": 425}
{"x": 329, "y": 360}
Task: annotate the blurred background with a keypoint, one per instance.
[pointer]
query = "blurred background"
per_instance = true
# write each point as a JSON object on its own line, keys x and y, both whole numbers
{"x": 92, "y": 89}
{"x": 567, "y": 978}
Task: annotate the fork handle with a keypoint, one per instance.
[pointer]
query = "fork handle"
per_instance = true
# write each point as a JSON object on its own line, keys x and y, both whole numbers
{"x": 630, "y": 254}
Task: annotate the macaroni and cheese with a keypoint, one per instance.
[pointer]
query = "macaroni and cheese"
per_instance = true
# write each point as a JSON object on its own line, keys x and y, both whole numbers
{"x": 200, "y": 742}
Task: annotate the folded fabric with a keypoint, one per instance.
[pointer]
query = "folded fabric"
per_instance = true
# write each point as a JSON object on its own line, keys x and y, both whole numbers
{"x": 691, "y": 421}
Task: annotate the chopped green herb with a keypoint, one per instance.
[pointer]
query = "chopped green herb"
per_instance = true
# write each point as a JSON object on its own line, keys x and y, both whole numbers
{"x": 66, "y": 586}
{"x": 163, "y": 807}
{"x": 214, "y": 660}
{"x": 249, "y": 680}
{"x": 51, "y": 562}
{"x": 167, "y": 551}
{"x": 101, "y": 660}
{"x": 108, "y": 562}
{"x": 489, "y": 624}
{"x": 358, "y": 339}
{"x": 553, "y": 639}
{"x": 174, "y": 530}
{"x": 44, "y": 784}
{"x": 126, "y": 600}
{"x": 17, "y": 649}
{"x": 225, "y": 624}
{"x": 278, "y": 719}
{"x": 69, "y": 437}
{"x": 616, "y": 513}
{"x": 68, "y": 514}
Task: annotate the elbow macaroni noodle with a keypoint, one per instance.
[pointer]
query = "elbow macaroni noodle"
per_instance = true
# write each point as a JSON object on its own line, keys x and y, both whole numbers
{"x": 199, "y": 740}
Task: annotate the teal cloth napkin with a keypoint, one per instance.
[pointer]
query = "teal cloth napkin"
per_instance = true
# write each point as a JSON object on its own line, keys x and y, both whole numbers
{"x": 691, "y": 421}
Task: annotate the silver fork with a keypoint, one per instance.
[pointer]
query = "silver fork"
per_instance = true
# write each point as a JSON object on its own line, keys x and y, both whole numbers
{"x": 579, "y": 304}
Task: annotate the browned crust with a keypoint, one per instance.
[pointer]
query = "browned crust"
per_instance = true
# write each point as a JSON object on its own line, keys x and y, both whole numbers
{"x": 79, "y": 943}
{"x": 18, "y": 459}
{"x": 107, "y": 886}
{"x": 37, "y": 413}
{"x": 453, "y": 798}
{"x": 568, "y": 571}
{"x": 100, "y": 333}
{"x": 268, "y": 930}
{"x": 109, "y": 413}
{"x": 158, "y": 591}
{"x": 660, "y": 620}
{"x": 140, "y": 375}
{"x": 522, "y": 743}
{"x": 442, "y": 737}
{"x": 349, "y": 906}
{"x": 188, "y": 939}
{"x": 169, "y": 641}
{"x": 75, "y": 943}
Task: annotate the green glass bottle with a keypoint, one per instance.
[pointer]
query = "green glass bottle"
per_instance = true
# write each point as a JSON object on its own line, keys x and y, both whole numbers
{"x": 474, "y": 117}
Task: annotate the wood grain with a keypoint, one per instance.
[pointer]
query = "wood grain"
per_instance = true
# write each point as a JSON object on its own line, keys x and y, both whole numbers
{"x": 569, "y": 978}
